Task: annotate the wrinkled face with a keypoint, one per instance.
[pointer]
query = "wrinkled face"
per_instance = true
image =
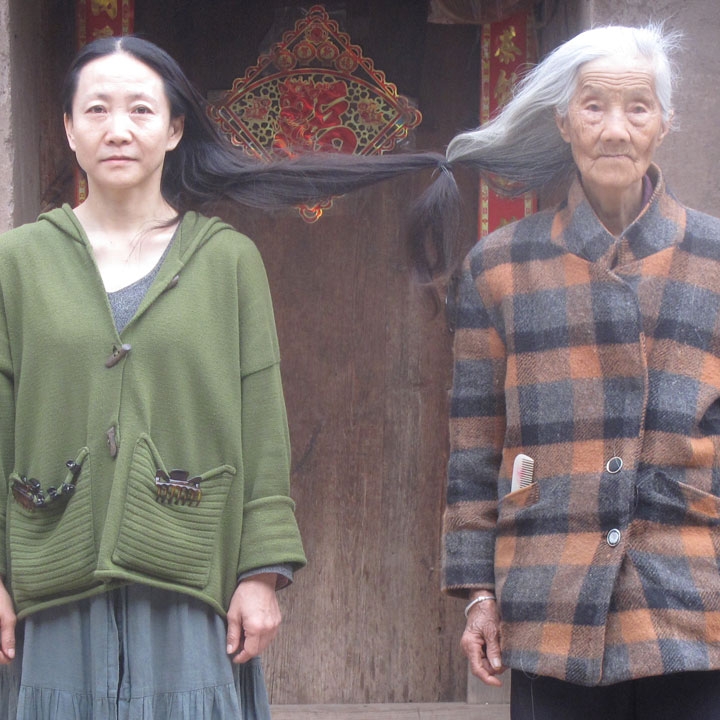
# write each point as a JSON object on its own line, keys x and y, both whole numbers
{"x": 614, "y": 124}
{"x": 121, "y": 127}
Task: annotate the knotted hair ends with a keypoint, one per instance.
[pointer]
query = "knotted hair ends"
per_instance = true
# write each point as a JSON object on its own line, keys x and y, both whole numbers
{"x": 433, "y": 225}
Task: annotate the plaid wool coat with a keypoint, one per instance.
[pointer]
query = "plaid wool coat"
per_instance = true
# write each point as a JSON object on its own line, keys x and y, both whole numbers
{"x": 599, "y": 357}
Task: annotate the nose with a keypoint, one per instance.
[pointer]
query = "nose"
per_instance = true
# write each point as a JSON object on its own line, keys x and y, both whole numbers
{"x": 616, "y": 125}
{"x": 118, "y": 128}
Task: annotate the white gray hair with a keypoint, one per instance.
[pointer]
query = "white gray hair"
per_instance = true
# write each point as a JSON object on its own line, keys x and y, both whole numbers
{"x": 522, "y": 144}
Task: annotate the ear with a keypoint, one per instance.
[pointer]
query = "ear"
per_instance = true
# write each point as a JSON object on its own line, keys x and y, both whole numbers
{"x": 67, "y": 121}
{"x": 667, "y": 124}
{"x": 177, "y": 126}
{"x": 562, "y": 122}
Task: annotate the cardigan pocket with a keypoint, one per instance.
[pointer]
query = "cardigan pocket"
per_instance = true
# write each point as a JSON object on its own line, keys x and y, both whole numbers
{"x": 168, "y": 531}
{"x": 52, "y": 547}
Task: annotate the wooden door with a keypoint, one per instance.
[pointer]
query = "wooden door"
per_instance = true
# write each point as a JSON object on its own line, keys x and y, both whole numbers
{"x": 366, "y": 360}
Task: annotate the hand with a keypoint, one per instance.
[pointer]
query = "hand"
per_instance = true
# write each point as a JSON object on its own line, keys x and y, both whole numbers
{"x": 7, "y": 627}
{"x": 253, "y": 617}
{"x": 481, "y": 642}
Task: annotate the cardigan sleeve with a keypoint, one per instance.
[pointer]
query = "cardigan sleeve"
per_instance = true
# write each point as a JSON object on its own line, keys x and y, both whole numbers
{"x": 7, "y": 415}
{"x": 477, "y": 430}
{"x": 270, "y": 534}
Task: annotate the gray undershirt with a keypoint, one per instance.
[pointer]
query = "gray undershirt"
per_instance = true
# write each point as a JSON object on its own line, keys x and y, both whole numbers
{"x": 125, "y": 302}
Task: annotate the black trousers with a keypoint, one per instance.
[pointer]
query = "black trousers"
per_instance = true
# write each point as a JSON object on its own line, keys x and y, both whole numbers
{"x": 683, "y": 696}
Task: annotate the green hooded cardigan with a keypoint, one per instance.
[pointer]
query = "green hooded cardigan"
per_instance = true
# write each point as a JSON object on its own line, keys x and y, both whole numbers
{"x": 192, "y": 383}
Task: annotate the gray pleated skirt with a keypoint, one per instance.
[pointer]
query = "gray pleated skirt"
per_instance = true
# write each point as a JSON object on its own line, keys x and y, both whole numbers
{"x": 136, "y": 653}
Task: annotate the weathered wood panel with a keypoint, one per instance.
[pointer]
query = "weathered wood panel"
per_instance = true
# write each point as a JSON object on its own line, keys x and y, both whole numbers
{"x": 480, "y": 694}
{"x": 366, "y": 369}
{"x": 397, "y": 711}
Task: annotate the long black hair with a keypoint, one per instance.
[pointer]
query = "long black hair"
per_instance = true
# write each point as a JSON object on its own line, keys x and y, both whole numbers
{"x": 206, "y": 168}
{"x": 522, "y": 144}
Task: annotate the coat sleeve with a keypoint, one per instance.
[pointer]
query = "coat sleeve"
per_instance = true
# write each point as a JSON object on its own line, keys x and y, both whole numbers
{"x": 7, "y": 415}
{"x": 477, "y": 430}
{"x": 270, "y": 534}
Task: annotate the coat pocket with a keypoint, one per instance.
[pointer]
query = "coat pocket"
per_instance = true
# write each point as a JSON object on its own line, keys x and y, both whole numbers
{"x": 52, "y": 548}
{"x": 666, "y": 501}
{"x": 159, "y": 535}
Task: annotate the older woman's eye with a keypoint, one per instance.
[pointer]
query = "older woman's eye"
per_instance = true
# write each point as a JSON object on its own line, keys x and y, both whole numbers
{"x": 142, "y": 110}
{"x": 96, "y": 109}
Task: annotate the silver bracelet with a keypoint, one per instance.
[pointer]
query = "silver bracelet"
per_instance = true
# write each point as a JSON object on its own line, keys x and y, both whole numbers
{"x": 477, "y": 600}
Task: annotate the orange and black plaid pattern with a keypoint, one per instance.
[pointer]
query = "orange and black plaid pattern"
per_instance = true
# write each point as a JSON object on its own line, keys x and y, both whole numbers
{"x": 600, "y": 359}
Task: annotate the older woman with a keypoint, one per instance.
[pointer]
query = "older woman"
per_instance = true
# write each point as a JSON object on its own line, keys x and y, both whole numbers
{"x": 588, "y": 346}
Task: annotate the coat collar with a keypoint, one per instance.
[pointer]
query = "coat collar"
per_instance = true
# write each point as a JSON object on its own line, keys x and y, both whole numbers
{"x": 660, "y": 224}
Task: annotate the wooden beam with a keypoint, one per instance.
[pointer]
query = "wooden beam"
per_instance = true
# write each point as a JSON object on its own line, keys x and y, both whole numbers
{"x": 392, "y": 711}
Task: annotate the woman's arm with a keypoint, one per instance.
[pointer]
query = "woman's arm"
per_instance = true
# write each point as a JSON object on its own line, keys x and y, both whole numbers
{"x": 269, "y": 532}
{"x": 477, "y": 433}
{"x": 253, "y": 617}
{"x": 7, "y": 627}
{"x": 7, "y": 415}
{"x": 481, "y": 639}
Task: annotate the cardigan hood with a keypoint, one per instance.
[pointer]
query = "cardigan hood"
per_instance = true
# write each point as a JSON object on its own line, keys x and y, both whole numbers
{"x": 157, "y": 455}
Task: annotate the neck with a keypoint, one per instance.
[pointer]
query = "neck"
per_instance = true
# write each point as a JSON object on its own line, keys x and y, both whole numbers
{"x": 616, "y": 210}
{"x": 123, "y": 214}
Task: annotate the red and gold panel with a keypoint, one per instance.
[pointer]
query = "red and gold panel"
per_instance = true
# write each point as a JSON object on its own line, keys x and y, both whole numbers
{"x": 508, "y": 47}
{"x": 103, "y": 18}
{"x": 314, "y": 91}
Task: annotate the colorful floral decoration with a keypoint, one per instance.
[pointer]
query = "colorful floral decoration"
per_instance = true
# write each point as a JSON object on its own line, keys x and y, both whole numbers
{"x": 314, "y": 91}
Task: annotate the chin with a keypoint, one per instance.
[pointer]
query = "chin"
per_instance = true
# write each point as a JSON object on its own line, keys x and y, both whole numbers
{"x": 614, "y": 181}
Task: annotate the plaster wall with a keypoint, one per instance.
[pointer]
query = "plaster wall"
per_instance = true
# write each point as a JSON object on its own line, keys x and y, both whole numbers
{"x": 6, "y": 137}
{"x": 26, "y": 71}
{"x": 689, "y": 153}
{"x": 20, "y": 140}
